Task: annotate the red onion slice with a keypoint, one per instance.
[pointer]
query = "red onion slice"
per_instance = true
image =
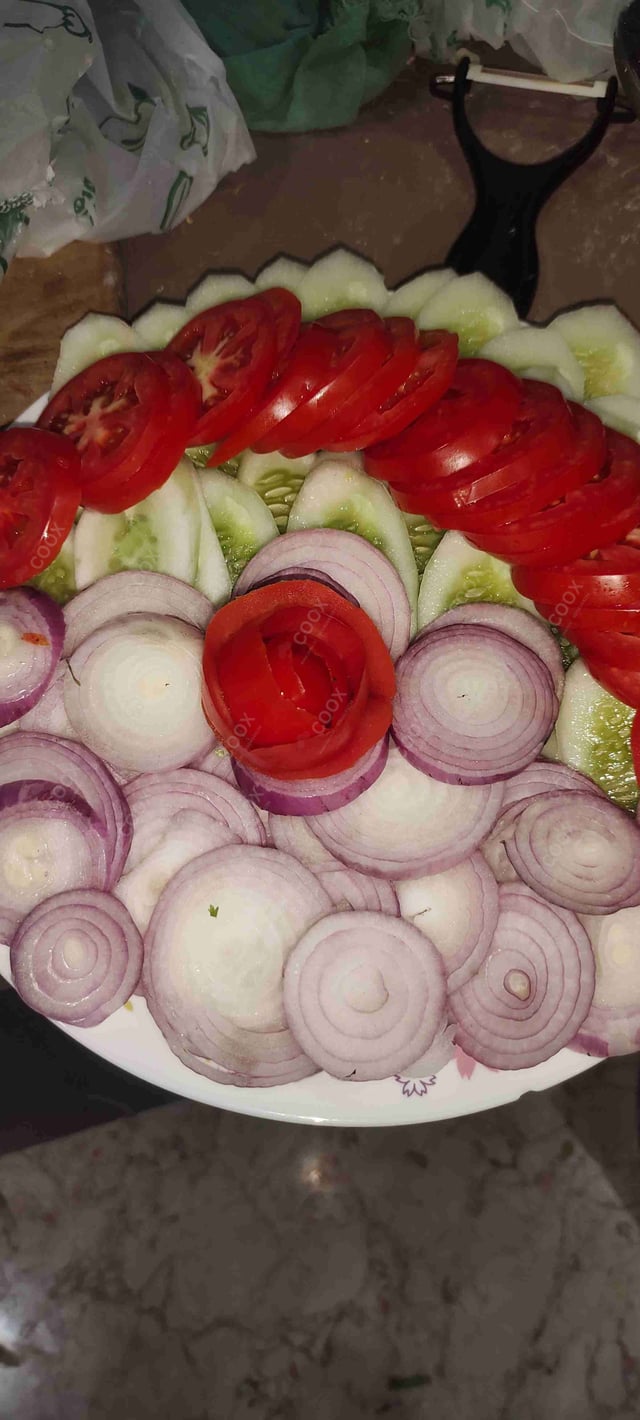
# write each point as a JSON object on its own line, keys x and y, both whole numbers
{"x": 73, "y": 766}
{"x": 133, "y": 693}
{"x": 214, "y": 958}
{"x": 313, "y": 796}
{"x": 156, "y": 802}
{"x": 348, "y": 889}
{"x": 578, "y": 850}
{"x": 533, "y": 989}
{"x": 31, "y": 636}
{"x": 458, "y": 911}
{"x": 293, "y": 835}
{"x": 77, "y": 957}
{"x": 472, "y": 705}
{"x": 542, "y": 777}
{"x": 612, "y": 1026}
{"x": 187, "y": 836}
{"x": 46, "y": 848}
{"x": 513, "y": 621}
{"x": 49, "y": 716}
{"x": 364, "y": 994}
{"x": 216, "y": 761}
{"x": 408, "y": 824}
{"x": 352, "y": 563}
{"x": 124, "y": 592}
{"x": 297, "y": 1068}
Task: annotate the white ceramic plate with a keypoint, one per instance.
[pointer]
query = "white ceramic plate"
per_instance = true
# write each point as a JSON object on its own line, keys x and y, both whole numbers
{"x": 131, "y": 1040}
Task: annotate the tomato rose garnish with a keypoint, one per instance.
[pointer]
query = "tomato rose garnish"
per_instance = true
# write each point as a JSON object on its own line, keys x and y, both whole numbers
{"x": 297, "y": 680}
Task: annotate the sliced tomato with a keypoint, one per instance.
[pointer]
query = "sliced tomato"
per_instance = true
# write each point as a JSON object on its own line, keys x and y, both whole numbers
{"x": 232, "y": 351}
{"x": 112, "y": 412}
{"x": 338, "y": 432}
{"x": 472, "y": 417}
{"x": 111, "y": 494}
{"x": 576, "y": 619}
{"x": 431, "y": 376}
{"x": 620, "y": 648}
{"x": 286, "y": 315}
{"x": 361, "y": 347}
{"x": 303, "y": 373}
{"x": 624, "y": 684}
{"x": 600, "y": 511}
{"x": 39, "y": 499}
{"x": 610, "y": 578}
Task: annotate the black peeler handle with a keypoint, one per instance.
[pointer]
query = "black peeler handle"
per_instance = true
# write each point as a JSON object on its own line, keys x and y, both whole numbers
{"x": 500, "y": 237}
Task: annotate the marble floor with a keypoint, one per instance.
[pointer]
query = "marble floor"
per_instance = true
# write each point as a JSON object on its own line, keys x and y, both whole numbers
{"x": 190, "y": 1265}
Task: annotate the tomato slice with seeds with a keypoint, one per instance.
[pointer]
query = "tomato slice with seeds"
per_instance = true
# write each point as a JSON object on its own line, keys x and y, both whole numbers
{"x": 112, "y": 494}
{"x": 302, "y": 374}
{"x": 232, "y": 351}
{"x": 111, "y": 411}
{"x": 39, "y": 498}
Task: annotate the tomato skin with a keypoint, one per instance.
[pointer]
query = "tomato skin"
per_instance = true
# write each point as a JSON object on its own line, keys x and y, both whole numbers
{"x": 112, "y": 495}
{"x": 111, "y": 412}
{"x": 286, "y": 315}
{"x": 362, "y": 346}
{"x": 301, "y": 375}
{"x": 620, "y": 648}
{"x": 624, "y": 684}
{"x": 432, "y": 374}
{"x": 589, "y": 582}
{"x": 470, "y": 419}
{"x": 338, "y": 434}
{"x": 39, "y": 499}
{"x": 232, "y": 350}
{"x": 247, "y": 697}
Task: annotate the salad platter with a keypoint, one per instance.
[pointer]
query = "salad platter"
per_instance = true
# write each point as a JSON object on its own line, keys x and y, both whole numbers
{"x": 319, "y": 617}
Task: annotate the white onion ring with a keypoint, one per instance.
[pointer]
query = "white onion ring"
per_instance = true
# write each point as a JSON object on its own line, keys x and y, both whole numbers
{"x": 578, "y": 850}
{"x": 133, "y": 692}
{"x": 352, "y": 563}
{"x": 313, "y": 796}
{"x": 77, "y": 957}
{"x": 408, "y": 824}
{"x": 534, "y": 988}
{"x": 293, "y": 835}
{"x": 472, "y": 704}
{"x": 31, "y": 636}
{"x": 46, "y": 848}
{"x": 364, "y": 994}
{"x": 458, "y": 911}
{"x": 121, "y": 593}
{"x": 156, "y": 801}
{"x": 514, "y": 621}
{"x": 350, "y": 890}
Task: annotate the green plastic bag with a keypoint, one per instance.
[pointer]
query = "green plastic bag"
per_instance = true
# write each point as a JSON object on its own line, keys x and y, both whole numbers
{"x": 295, "y": 65}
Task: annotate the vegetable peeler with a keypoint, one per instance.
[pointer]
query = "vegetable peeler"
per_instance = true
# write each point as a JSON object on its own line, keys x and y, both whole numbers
{"x": 500, "y": 236}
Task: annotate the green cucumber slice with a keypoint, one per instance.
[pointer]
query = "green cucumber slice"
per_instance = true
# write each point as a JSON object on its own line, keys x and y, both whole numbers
{"x": 58, "y": 579}
{"x": 216, "y": 288}
{"x": 619, "y": 411}
{"x": 607, "y": 347}
{"x": 337, "y": 495}
{"x": 156, "y": 326}
{"x": 284, "y": 271}
{"x": 161, "y": 534}
{"x": 340, "y": 280}
{"x": 91, "y": 339}
{"x": 276, "y": 480}
{"x": 473, "y": 307}
{"x": 410, "y": 298}
{"x": 539, "y": 353}
{"x": 458, "y": 573}
{"x": 241, "y": 520}
{"x": 592, "y": 733}
{"x": 212, "y": 574}
{"x": 424, "y": 538}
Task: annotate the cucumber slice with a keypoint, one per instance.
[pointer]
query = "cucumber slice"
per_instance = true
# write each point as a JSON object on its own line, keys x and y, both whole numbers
{"x": 472, "y": 307}
{"x": 276, "y": 479}
{"x": 606, "y": 345}
{"x": 212, "y": 574}
{"x": 459, "y": 573}
{"x": 619, "y": 411}
{"x": 282, "y": 272}
{"x": 219, "y": 287}
{"x": 161, "y": 534}
{"x": 340, "y": 280}
{"x": 159, "y": 323}
{"x": 89, "y": 340}
{"x": 240, "y": 518}
{"x": 592, "y": 733}
{"x": 410, "y": 298}
{"x": 58, "y": 579}
{"x": 424, "y": 538}
{"x": 540, "y": 353}
{"x": 335, "y": 495}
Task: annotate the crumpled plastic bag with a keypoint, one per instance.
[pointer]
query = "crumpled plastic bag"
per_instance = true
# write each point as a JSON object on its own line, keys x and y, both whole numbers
{"x": 115, "y": 118}
{"x": 568, "y": 39}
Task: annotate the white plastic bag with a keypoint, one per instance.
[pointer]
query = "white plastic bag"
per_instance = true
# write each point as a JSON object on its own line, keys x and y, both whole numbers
{"x": 568, "y": 39}
{"x": 115, "y": 118}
